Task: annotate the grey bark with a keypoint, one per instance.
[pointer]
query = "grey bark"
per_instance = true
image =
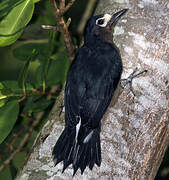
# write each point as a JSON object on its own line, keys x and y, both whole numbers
{"x": 135, "y": 132}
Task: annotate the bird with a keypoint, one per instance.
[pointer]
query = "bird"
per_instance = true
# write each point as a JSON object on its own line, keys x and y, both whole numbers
{"x": 92, "y": 82}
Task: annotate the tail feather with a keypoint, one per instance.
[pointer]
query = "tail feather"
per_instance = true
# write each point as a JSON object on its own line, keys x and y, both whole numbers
{"x": 87, "y": 159}
{"x": 98, "y": 153}
{"x": 68, "y": 155}
{"x": 80, "y": 154}
{"x": 93, "y": 159}
{"x": 83, "y": 159}
{"x": 58, "y": 149}
{"x": 62, "y": 147}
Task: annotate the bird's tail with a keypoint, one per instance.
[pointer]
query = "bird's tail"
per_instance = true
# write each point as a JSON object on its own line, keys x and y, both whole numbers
{"x": 80, "y": 151}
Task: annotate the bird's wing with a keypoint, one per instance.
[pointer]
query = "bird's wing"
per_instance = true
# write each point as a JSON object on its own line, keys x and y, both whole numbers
{"x": 95, "y": 105}
{"x": 74, "y": 90}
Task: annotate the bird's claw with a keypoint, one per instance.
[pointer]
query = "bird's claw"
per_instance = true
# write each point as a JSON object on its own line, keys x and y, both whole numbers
{"x": 129, "y": 80}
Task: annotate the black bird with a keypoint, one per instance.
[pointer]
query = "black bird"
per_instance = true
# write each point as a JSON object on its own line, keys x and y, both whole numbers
{"x": 91, "y": 83}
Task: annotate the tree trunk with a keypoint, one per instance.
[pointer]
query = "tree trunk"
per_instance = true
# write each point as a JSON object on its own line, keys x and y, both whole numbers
{"x": 135, "y": 133}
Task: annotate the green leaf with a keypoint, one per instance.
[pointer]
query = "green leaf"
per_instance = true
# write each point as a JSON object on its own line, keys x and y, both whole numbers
{"x": 2, "y": 96}
{"x": 7, "y": 5}
{"x": 23, "y": 74}
{"x": 2, "y": 102}
{"x": 22, "y": 52}
{"x": 19, "y": 159}
{"x": 57, "y": 71}
{"x": 35, "y": 1}
{"x": 12, "y": 25}
{"x": 6, "y": 172}
{"x": 11, "y": 89}
{"x": 9, "y": 114}
{"x": 36, "y": 104}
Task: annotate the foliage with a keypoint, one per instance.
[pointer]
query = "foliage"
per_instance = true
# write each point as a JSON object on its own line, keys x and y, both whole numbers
{"x": 9, "y": 113}
{"x": 39, "y": 63}
{"x": 13, "y": 23}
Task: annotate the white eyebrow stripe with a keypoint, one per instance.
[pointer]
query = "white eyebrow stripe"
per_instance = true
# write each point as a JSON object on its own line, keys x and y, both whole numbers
{"x": 106, "y": 18}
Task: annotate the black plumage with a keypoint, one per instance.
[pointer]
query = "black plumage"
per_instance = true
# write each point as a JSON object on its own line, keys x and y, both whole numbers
{"x": 91, "y": 83}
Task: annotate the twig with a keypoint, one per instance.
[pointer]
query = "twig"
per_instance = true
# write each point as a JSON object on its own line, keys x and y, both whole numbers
{"x": 62, "y": 4}
{"x": 68, "y": 22}
{"x": 22, "y": 98}
{"x": 9, "y": 146}
{"x": 62, "y": 26}
{"x": 69, "y": 5}
{"x": 16, "y": 135}
{"x": 47, "y": 27}
{"x": 37, "y": 94}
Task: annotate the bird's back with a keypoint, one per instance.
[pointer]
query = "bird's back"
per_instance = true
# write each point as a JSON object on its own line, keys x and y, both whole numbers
{"x": 94, "y": 73}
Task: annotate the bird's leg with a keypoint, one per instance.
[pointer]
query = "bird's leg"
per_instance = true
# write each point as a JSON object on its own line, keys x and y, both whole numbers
{"x": 129, "y": 80}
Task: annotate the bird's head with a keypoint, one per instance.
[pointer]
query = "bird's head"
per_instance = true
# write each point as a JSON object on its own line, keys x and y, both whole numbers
{"x": 99, "y": 27}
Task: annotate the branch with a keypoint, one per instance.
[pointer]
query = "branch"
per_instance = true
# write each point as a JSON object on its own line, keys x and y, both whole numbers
{"x": 62, "y": 26}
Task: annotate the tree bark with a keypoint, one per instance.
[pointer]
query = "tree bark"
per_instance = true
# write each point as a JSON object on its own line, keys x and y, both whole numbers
{"x": 135, "y": 132}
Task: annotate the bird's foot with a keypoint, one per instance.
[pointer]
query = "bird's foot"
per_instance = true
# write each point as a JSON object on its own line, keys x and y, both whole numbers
{"x": 129, "y": 80}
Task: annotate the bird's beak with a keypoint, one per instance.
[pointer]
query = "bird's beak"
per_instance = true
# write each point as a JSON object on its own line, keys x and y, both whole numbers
{"x": 117, "y": 16}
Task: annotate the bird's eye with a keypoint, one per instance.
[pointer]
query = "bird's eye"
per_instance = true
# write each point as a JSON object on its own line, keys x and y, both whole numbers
{"x": 100, "y": 21}
{"x": 103, "y": 21}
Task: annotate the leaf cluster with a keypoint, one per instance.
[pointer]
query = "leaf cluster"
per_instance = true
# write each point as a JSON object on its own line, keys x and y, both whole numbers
{"x": 43, "y": 67}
